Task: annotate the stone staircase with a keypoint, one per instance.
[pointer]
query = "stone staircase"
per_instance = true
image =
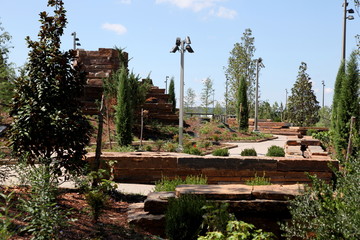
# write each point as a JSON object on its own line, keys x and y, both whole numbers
{"x": 262, "y": 206}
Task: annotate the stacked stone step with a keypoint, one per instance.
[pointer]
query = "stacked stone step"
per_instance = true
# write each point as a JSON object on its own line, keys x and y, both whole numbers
{"x": 97, "y": 65}
{"x": 263, "y": 206}
{"x": 158, "y": 107}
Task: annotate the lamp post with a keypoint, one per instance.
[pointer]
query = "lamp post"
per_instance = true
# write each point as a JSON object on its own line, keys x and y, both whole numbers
{"x": 76, "y": 43}
{"x": 166, "y": 79}
{"x": 350, "y": 17}
{"x": 180, "y": 46}
{"x": 258, "y": 65}
{"x": 323, "y": 91}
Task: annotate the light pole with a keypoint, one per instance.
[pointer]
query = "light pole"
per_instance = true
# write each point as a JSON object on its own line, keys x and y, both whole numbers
{"x": 166, "y": 79}
{"x": 180, "y": 46}
{"x": 323, "y": 91}
{"x": 258, "y": 65}
{"x": 76, "y": 43}
{"x": 350, "y": 17}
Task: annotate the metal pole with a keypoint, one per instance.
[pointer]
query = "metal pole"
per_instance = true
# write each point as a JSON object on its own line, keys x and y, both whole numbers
{"x": 167, "y": 77}
{"x": 344, "y": 31}
{"x": 181, "y": 110}
{"x": 323, "y": 83}
{"x": 226, "y": 99}
{"x": 74, "y": 42}
{"x": 256, "y": 97}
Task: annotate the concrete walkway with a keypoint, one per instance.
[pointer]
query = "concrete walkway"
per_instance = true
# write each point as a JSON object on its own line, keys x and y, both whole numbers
{"x": 260, "y": 147}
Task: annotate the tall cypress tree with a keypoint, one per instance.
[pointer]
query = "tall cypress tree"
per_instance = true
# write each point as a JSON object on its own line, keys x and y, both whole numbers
{"x": 46, "y": 110}
{"x": 337, "y": 91}
{"x": 303, "y": 108}
{"x": 123, "y": 117}
{"x": 347, "y": 105}
{"x": 172, "y": 98}
{"x": 242, "y": 105}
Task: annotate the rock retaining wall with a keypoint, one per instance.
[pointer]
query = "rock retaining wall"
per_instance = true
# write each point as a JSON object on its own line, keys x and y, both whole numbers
{"x": 148, "y": 167}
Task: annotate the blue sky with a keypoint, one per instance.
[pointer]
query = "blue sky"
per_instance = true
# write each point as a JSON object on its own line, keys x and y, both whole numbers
{"x": 286, "y": 33}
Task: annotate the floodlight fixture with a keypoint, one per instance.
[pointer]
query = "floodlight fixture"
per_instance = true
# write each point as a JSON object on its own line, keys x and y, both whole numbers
{"x": 178, "y": 41}
{"x": 351, "y": 10}
{"x": 350, "y": 17}
{"x": 187, "y": 40}
{"x": 174, "y": 49}
{"x": 189, "y": 49}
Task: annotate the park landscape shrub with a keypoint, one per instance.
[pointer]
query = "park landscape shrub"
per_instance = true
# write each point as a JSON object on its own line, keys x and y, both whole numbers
{"x": 275, "y": 151}
{"x": 248, "y": 152}
{"x": 224, "y": 152}
{"x": 166, "y": 184}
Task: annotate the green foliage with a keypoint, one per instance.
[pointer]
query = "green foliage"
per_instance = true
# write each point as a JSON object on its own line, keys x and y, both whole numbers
{"x": 170, "y": 147}
{"x": 324, "y": 137}
{"x": 44, "y": 217}
{"x": 327, "y": 211}
{"x": 123, "y": 117}
{"x": 97, "y": 190}
{"x": 242, "y": 110}
{"x": 275, "y": 151}
{"x": 302, "y": 104}
{"x": 206, "y": 95}
{"x": 239, "y": 230}
{"x": 158, "y": 144}
{"x": 325, "y": 117}
{"x": 189, "y": 100}
{"x": 241, "y": 63}
{"x": 221, "y": 152}
{"x": 347, "y": 106}
{"x": 248, "y": 152}
{"x": 165, "y": 184}
{"x": 192, "y": 150}
{"x": 127, "y": 148}
{"x": 172, "y": 98}
{"x": 216, "y": 217}
{"x": 310, "y": 132}
{"x": 47, "y": 117}
{"x": 184, "y": 217}
{"x": 337, "y": 94}
{"x": 5, "y": 216}
{"x": 255, "y": 181}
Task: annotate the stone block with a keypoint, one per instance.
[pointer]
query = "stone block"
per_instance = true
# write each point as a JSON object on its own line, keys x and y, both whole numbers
{"x": 277, "y": 192}
{"x": 157, "y": 202}
{"x": 217, "y": 192}
{"x": 306, "y": 165}
{"x": 256, "y": 207}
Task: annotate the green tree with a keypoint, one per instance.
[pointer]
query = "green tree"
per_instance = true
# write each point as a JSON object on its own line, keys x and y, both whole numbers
{"x": 337, "y": 92}
{"x": 48, "y": 123}
{"x": 325, "y": 117}
{"x": 123, "y": 117}
{"x": 303, "y": 108}
{"x": 218, "y": 109}
{"x": 242, "y": 106}
{"x": 7, "y": 74}
{"x": 206, "y": 94}
{"x": 347, "y": 106}
{"x": 172, "y": 98}
{"x": 241, "y": 63}
{"x": 190, "y": 99}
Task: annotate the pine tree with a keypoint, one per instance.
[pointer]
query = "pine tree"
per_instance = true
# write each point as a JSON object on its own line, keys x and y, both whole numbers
{"x": 303, "y": 108}
{"x": 123, "y": 117}
{"x": 337, "y": 92}
{"x": 172, "y": 98}
{"x": 48, "y": 120}
{"x": 347, "y": 105}
{"x": 242, "y": 106}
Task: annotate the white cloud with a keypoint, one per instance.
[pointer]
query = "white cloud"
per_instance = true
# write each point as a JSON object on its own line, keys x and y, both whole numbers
{"x": 117, "y": 28}
{"x": 328, "y": 90}
{"x": 195, "y": 5}
{"x": 224, "y": 13}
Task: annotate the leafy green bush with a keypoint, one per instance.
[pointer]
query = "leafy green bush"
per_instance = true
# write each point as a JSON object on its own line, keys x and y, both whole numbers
{"x": 193, "y": 151}
{"x": 327, "y": 211}
{"x": 221, "y": 152}
{"x": 148, "y": 148}
{"x": 275, "y": 151}
{"x": 165, "y": 184}
{"x": 183, "y": 217}
{"x": 5, "y": 216}
{"x": 216, "y": 217}
{"x": 310, "y": 132}
{"x": 258, "y": 180}
{"x": 324, "y": 137}
{"x": 44, "y": 217}
{"x": 248, "y": 152}
{"x": 170, "y": 147}
{"x": 127, "y": 148}
{"x": 238, "y": 230}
